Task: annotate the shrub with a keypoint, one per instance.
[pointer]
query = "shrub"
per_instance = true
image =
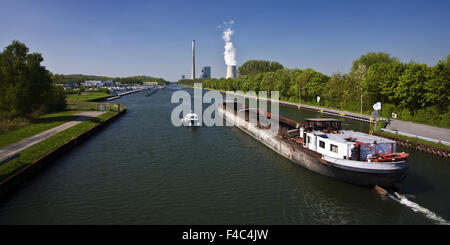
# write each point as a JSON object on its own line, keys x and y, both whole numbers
{"x": 57, "y": 100}
{"x": 387, "y": 109}
{"x": 406, "y": 115}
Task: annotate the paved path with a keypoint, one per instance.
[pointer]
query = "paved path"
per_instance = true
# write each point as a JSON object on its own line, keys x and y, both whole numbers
{"x": 25, "y": 143}
{"x": 420, "y": 130}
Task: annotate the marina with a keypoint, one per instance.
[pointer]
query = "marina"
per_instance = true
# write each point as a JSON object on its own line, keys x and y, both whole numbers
{"x": 142, "y": 170}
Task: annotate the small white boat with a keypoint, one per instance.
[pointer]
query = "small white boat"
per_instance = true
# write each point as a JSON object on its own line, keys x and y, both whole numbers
{"x": 191, "y": 119}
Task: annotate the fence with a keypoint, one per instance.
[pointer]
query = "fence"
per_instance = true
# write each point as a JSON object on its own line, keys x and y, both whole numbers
{"x": 415, "y": 136}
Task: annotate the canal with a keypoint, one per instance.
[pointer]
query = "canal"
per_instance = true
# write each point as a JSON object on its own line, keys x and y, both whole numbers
{"x": 142, "y": 170}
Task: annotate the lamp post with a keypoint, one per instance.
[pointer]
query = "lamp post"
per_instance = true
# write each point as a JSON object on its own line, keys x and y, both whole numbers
{"x": 361, "y": 73}
{"x": 299, "y": 96}
{"x": 361, "y": 100}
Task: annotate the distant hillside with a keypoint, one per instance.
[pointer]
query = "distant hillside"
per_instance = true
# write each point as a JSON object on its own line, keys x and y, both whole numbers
{"x": 61, "y": 78}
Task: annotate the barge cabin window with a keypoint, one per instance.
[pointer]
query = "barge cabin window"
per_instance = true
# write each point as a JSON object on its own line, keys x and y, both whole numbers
{"x": 334, "y": 148}
{"x": 322, "y": 144}
{"x": 323, "y": 123}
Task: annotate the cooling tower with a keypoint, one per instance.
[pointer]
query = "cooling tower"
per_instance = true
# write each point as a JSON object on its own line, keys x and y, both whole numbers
{"x": 231, "y": 72}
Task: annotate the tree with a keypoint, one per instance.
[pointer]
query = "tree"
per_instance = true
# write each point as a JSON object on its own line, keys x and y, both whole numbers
{"x": 389, "y": 75}
{"x": 372, "y": 58}
{"x": 410, "y": 89}
{"x": 313, "y": 82}
{"x": 25, "y": 85}
{"x": 437, "y": 85}
{"x": 258, "y": 66}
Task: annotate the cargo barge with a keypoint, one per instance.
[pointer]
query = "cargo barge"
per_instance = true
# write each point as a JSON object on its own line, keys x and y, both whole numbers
{"x": 321, "y": 146}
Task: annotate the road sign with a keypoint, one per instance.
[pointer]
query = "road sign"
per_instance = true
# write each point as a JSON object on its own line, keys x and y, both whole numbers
{"x": 377, "y": 106}
{"x": 375, "y": 114}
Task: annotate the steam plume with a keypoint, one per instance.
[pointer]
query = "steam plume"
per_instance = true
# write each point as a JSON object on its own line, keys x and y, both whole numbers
{"x": 230, "y": 51}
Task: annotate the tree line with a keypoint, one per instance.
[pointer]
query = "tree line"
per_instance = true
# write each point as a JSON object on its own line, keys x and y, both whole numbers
{"x": 415, "y": 92}
{"x": 78, "y": 78}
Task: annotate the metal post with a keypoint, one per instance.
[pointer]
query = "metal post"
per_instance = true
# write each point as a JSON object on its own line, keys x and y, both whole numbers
{"x": 193, "y": 60}
{"x": 361, "y": 100}
{"x": 299, "y": 95}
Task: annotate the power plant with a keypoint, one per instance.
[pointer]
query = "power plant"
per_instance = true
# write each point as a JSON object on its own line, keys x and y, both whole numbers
{"x": 206, "y": 72}
{"x": 193, "y": 60}
{"x": 229, "y": 55}
{"x": 231, "y": 71}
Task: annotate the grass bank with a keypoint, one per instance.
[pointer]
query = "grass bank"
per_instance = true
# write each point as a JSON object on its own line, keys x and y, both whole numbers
{"x": 38, "y": 150}
{"x": 39, "y": 125}
{"x": 83, "y": 102}
{"x": 75, "y": 103}
{"x": 86, "y": 96}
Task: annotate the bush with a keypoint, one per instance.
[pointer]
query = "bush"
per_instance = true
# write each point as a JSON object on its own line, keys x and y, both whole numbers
{"x": 406, "y": 115}
{"x": 429, "y": 115}
{"x": 387, "y": 109}
{"x": 7, "y": 122}
{"x": 57, "y": 100}
{"x": 445, "y": 119}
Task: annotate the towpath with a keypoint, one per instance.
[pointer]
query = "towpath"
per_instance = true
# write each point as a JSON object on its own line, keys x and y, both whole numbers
{"x": 25, "y": 143}
{"x": 420, "y": 130}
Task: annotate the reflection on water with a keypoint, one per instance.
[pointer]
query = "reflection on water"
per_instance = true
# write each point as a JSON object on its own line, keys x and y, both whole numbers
{"x": 142, "y": 170}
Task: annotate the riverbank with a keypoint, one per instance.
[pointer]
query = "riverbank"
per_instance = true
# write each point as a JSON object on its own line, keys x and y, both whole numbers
{"x": 414, "y": 143}
{"x": 36, "y": 126}
{"x": 41, "y": 154}
{"x": 16, "y": 147}
{"x": 38, "y": 146}
{"x": 330, "y": 111}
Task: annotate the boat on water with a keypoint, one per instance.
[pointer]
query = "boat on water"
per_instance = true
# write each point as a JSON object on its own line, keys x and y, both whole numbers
{"x": 191, "y": 120}
{"x": 320, "y": 145}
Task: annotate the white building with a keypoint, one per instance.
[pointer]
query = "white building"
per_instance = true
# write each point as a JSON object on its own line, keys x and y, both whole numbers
{"x": 97, "y": 84}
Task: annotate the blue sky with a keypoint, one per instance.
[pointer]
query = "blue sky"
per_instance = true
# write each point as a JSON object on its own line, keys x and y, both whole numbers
{"x": 124, "y": 38}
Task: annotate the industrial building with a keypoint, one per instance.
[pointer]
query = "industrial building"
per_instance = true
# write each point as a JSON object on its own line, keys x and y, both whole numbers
{"x": 206, "y": 72}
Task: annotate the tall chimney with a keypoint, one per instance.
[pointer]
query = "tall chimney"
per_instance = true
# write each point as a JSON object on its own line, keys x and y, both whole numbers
{"x": 193, "y": 60}
{"x": 231, "y": 71}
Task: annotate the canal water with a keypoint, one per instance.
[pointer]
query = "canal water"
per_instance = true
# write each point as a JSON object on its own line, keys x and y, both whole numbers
{"x": 142, "y": 170}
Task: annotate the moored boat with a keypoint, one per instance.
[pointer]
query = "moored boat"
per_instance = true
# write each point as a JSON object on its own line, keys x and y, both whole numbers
{"x": 320, "y": 145}
{"x": 191, "y": 119}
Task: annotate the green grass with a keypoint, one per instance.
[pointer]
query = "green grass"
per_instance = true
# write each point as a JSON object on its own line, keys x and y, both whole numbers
{"x": 382, "y": 124}
{"x": 76, "y": 103}
{"x": 39, "y": 125}
{"x": 84, "y": 102}
{"x": 85, "y": 96}
{"x": 38, "y": 150}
